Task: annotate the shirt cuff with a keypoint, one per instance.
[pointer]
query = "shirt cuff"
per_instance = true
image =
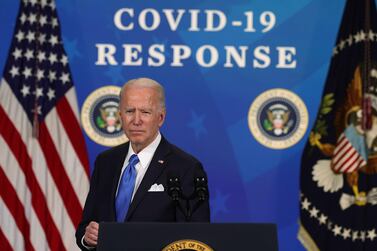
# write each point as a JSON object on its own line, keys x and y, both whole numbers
{"x": 83, "y": 243}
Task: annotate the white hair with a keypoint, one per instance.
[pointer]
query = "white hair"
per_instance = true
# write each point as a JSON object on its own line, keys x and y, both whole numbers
{"x": 148, "y": 83}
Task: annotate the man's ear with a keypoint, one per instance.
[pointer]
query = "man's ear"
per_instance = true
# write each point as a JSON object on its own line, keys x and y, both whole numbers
{"x": 119, "y": 116}
{"x": 162, "y": 118}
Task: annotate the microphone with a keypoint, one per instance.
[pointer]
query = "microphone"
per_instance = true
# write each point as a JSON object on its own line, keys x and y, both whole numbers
{"x": 201, "y": 188}
{"x": 174, "y": 188}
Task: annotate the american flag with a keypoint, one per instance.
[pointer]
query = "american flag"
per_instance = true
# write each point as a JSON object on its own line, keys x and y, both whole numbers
{"x": 44, "y": 169}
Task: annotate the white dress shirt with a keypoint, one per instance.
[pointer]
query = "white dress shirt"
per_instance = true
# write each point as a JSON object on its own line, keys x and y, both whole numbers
{"x": 145, "y": 157}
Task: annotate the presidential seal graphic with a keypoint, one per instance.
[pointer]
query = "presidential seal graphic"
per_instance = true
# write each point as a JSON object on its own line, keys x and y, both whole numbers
{"x": 100, "y": 116}
{"x": 187, "y": 244}
{"x": 278, "y": 118}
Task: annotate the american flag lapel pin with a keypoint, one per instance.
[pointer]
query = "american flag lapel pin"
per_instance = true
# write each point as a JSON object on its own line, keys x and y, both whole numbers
{"x": 161, "y": 161}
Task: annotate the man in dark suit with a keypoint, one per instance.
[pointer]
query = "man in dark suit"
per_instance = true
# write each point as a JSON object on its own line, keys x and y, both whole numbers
{"x": 149, "y": 159}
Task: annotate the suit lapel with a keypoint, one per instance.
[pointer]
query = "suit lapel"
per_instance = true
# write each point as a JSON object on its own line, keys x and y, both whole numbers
{"x": 117, "y": 162}
{"x": 154, "y": 171}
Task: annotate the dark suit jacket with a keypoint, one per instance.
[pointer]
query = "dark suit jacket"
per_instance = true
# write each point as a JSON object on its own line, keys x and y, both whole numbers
{"x": 146, "y": 206}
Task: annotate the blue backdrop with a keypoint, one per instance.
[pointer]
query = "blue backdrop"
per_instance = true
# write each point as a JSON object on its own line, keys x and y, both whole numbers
{"x": 208, "y": 98}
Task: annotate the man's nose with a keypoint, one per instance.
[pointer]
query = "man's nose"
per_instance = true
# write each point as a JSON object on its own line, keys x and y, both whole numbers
{"x": 137, "y": 118}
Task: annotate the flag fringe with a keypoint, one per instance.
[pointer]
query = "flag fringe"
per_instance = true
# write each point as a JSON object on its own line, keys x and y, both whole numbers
{"x": 306, "y": 240}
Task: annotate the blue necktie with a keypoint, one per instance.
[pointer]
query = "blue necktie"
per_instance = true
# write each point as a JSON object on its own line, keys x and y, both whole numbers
{"x": 125, "y": 189}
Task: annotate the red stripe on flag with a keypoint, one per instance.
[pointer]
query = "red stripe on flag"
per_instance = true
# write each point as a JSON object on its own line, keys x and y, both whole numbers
{"x": 59, "y": 175}
{"x": 352, "y": 167}
{"x": 347, "y": 150}
{"x": 4, "y": 243}
{"x": 340, "y": 148}
{"x": 18, "y": 148}
{"x": 344, "y": 164}
{"x": 73, "y": 130}
{"x": 9, "y": 195}
{"x": 340, "y": 144}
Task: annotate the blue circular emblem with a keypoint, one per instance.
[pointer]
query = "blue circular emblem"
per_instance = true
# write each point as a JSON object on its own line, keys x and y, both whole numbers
{"x": 278, "y": 118}
{"x": 105, "y": 116}
{"x": 100, "y": 116}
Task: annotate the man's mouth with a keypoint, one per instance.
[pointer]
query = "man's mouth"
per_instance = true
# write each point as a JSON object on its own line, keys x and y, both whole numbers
{"x": 136, "y": 131}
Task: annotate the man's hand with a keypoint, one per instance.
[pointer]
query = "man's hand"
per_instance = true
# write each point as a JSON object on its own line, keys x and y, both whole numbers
{"x": 91, "y": 234}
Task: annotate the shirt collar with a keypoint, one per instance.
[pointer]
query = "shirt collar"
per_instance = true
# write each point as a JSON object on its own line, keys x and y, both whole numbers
{"x": 145, "y": 155}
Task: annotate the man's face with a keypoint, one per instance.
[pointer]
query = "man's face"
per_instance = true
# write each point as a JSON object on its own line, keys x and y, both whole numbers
{"x": 141, "y": 115}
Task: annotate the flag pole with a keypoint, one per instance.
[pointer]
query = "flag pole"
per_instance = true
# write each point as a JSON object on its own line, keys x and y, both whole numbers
{"x": 367, "y": 106}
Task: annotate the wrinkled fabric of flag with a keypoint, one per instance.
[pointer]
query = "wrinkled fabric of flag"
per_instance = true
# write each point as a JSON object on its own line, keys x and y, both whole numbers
{"x": 44, "y": 169}
{"x": 338, "y": 183}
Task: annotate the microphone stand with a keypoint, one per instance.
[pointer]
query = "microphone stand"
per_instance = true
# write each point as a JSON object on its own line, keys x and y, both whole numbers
{"x": 175, "y": 192}
{"x": 200, "y": 192}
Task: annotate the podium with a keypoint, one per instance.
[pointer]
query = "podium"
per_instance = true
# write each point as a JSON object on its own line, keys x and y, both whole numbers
{"x": 187, "y": 236}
